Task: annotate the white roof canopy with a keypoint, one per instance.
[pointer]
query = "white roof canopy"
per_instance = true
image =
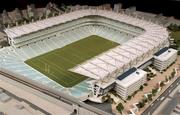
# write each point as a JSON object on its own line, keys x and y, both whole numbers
{"x": 113, "y": 60}
{"x": 128, "y": 52}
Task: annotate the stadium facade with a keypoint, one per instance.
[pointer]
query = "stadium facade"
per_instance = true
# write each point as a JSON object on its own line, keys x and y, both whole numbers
{"x": 139, "y": 40}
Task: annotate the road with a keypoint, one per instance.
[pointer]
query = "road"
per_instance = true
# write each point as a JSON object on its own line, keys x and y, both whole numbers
{"x": 53, "y": 93}
{"x": 161, "y": 98}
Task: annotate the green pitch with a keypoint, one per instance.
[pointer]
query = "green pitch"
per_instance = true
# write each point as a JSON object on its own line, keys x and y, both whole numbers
{"x": 55, "y": 64}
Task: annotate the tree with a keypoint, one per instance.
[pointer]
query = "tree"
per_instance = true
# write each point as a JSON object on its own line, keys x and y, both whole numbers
{"x": 145, "y": 100}
{"x": 141, "y": 104}
{"x": 151, "y": 75}
{"x": 129, "y": 97}
{"x": 145, "y": 84}
{"x": 169, "y": 77}
{"x": 103, "y": 98}
{"x": 134, "y": 93}
{"x": 154, "y": 91}
{"x": 108, "y": 98}
{"x": 148, "y": 78}
{"x": 166, "y": 79}
{"x": 147, "y": 70}
{"x": 174, "y": 27}
{"x": 162, "y": 84}
{"x": 149, "y": 97}
{"x": 120, "y": 107}
{"x": 111, "y": 100}
{"x": 173, "y": 73}
{"x": 141, "y": 87}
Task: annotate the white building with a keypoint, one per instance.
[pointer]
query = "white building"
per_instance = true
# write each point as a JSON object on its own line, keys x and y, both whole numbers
{"x": 117, "y": 7}
{"x": 164, "y": 58}
{"x": 129, "y": 82}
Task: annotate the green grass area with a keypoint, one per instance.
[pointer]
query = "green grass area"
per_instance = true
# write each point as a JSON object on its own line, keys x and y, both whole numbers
{"x": 55, "y": 64}
{"x": 176, "y": 36}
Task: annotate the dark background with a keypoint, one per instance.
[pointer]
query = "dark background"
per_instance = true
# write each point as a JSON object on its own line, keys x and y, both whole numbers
{"x": 167, "y": 7}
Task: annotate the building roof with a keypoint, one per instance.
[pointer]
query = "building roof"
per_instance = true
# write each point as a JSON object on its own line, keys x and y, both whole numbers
{"x": 127, "y": 73}
{"x": 130, "y": 77}
{"x": 165, "y": 54}
{"x": 161, "y": 51}
{"x": 123, "y": 55}
{"x": 18, "y": 31}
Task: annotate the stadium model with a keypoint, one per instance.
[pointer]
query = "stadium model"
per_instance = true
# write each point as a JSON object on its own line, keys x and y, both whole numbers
{"x": 96, "y": 43}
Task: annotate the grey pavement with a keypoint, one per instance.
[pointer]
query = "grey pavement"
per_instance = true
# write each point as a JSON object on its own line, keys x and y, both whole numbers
{"x": 161, "y": 98}
{"x": 103, "y": 106}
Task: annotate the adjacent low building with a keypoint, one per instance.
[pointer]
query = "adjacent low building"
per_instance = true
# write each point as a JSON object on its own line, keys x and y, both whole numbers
{"x": 164, "y": 58}
{"x": 129, "y": 82}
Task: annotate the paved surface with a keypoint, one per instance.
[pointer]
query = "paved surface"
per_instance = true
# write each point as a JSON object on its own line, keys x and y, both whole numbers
{"x": 35, "y": 97}
{"x": 168, "y": 108}
{"x": 103, "y": 106}
{"x": 17, "y": 106}
{"x": 161, "y": 98}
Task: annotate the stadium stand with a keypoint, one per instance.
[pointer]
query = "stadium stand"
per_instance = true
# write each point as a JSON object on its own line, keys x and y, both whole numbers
{"x": 136, "y": 36}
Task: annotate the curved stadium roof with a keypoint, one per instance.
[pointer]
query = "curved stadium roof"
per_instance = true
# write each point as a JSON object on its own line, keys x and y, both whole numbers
{"x": 116, "y": 60}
